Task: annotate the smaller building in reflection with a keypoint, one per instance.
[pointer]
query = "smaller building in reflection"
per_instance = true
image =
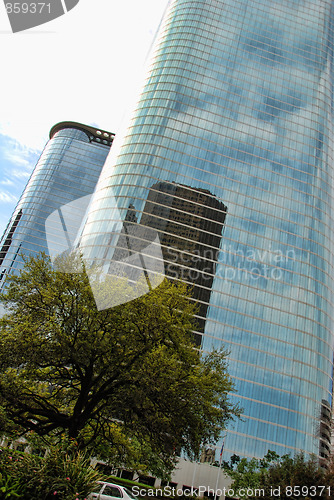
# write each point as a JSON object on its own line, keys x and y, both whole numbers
{"x": 189, "y": 223}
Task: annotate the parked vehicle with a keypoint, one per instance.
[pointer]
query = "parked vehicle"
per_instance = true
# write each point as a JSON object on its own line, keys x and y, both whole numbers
{"x": 111, "y": 491}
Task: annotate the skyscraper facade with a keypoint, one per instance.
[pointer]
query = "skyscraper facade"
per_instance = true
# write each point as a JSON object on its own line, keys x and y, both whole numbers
{"x": 238, "y": 104}
{"x": 67, "y": 170}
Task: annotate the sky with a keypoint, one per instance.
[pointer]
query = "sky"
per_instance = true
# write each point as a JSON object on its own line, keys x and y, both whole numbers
{"x": 85, "y": 66}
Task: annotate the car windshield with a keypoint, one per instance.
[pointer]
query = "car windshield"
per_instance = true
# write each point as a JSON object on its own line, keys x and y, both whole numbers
{"x": 131, "y": 495}
{"x": 97, "y": 488}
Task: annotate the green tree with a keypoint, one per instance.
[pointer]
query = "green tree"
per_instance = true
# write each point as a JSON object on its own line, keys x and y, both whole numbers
{"x": 295, "y": 477}
{"x": 117, "y": 380}
{"x": 280, "y": 477}
{"x": 329, "y": 479}
{"x": 247, "y": 474}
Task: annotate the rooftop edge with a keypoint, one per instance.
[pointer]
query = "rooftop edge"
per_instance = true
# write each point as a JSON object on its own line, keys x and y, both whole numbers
{"x": 97, "y": 133}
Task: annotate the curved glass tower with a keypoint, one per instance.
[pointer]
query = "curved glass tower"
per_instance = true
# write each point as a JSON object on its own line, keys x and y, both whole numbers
{"x": 67, "y": 170}
{"x": 229, "y": 155}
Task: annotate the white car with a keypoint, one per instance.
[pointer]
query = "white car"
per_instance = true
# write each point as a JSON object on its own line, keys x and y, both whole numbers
{"x": 110, "y": 491}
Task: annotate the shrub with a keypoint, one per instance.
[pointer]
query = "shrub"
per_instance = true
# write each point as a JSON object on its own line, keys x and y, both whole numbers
{"x": 71, "y": 476}
{"x": 18, "y": 470}
{"x": 58, "y": 476}
{"x": 9, "y": 487}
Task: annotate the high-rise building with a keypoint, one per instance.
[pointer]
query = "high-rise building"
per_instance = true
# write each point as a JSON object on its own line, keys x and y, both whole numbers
{"x": 237, "y": 106}
{"x": 67, "y": 170}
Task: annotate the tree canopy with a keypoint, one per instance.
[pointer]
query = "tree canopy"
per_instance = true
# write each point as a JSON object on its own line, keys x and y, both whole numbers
{"x": 282, "y": 477}
{"x": 114, "y": 380}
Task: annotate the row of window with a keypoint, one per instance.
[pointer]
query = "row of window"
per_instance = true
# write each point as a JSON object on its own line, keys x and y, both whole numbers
{"x": 283, "y": 230}
{"x": 306, "y": 140}
{"x": 213, "y": 59}
{"x": 291, "y": 234}
{"x": 227, "y": 167}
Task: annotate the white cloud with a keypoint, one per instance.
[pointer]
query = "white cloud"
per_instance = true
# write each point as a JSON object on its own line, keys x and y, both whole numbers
{"x": 21, "y": 174}
{"x": 18, "y": 162}
{"x": 6, "y": 197}
{"x": 7, "y": 182}
{"x": 17, "y": 158}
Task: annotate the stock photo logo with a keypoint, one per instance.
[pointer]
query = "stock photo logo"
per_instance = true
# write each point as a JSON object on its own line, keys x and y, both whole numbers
{"x": 132, "y": 263}
{"x": 24, "y": 15}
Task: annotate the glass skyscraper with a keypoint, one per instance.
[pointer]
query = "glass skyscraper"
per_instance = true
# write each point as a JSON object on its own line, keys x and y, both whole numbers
{"x": 67, "y": 170}
{"x": 237, "y": 107}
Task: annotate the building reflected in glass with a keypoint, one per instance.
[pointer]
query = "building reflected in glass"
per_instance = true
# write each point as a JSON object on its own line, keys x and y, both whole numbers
{"x": 189, "y": 225}
{"x": 237, "y": 106}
